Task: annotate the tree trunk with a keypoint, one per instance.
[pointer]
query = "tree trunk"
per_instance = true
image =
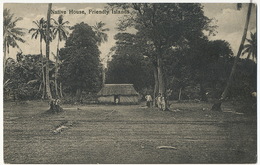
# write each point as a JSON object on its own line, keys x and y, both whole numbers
{"x": 43, "y": 74}
{"x": 160, "y": 76}
{"x": 78, "y": 95}
{"x": 48, "y": 89}
{"x": 161, "y": 83}
{"x": 103, "y": 75}
{"x": 203, "y": 93}
{"x": 61, "y": 95}
{"x": 4, "y": 60}
{"x": 155, "y": 92}
{"x": 217, "y": 105}
{"x": 180, "y": 94}
{"x": 56, "y": 71}
{"x": 55, "y": 106}
{"x": 40, "y": 87}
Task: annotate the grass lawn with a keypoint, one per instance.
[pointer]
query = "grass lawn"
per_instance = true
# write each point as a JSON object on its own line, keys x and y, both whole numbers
{"x": 127, "y": 134}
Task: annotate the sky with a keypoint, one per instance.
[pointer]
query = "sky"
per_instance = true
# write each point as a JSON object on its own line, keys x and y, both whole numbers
{"x": 230, "y": 22}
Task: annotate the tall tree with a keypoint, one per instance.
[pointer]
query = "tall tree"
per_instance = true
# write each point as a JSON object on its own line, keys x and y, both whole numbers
{"x": 40, "y": 31}
{"x": 251, "y": 48}
{"x": 11, "y": 33}
{"x": 59, "y": 31}
{"x": 165, "y": 26}
{"x": 217, "y": 105}
{"x": 100, "y": 32}
{"x": 80, "y": 61}
{"x": 48, "y": 39}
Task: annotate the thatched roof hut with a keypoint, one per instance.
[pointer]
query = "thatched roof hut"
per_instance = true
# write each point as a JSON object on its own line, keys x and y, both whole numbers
{"x": 118, "y": 94}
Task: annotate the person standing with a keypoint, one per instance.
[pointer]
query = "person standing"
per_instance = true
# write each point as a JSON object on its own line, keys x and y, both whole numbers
{"x": 163, "y": 103}
{"x": 149, "y": 100}
{"x": 159, "y": 101}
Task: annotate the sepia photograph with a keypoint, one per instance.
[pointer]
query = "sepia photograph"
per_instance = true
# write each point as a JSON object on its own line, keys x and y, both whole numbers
{"x": 129, "y": 83}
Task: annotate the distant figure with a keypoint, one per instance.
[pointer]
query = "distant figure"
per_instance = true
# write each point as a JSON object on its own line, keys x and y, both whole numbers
{"x": 149, "y": 100}
{"x": 117, "y": 101}
{"x": 161, "y": 102}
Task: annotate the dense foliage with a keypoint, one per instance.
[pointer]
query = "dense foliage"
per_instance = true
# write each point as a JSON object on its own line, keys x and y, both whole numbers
{"x": 198, "y": 71}
{"x": 129, "y": 65}
{"x": 23, "y": 77}
{"x": 80, "y": 68}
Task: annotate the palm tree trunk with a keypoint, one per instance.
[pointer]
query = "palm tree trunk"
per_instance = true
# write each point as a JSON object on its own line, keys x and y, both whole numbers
{"x": 56, "y": 70}
{"x": 43, "y": 74}
{"x": 48, "y": 89}
{"x": 217, "y": 105}
{"x": 4, "y": 60}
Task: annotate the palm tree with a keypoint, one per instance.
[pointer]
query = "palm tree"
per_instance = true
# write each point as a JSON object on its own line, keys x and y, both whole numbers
{"x": 48, "y": 39}
{"x": 11, "y": 33}
{"x": 59, "y": 30}
{"x": 40, "y": 31}
{"x": 251, "y": 47}
{"x": 100, "y": 32}
{"x": 217, "y": 105}
{"x": 102, "y": 37}
{"x": 56, "y": 67}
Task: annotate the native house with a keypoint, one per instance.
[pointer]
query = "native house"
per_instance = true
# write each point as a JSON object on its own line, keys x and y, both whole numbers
{"x": 118, "y": 94}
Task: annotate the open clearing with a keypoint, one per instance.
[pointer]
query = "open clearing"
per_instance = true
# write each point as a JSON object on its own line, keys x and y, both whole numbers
{"x": 189, "y": 133}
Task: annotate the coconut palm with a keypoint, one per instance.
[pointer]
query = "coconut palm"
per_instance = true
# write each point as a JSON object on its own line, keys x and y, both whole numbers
{"x": 11, "y": 33}
{"x": 40, "y": 31}
{"x": 102, "y": 37}
{"x": 59, "y": 31}
{"x": 48, "y": 39}
{"x": 100, "y": 32}
{"x": 217, "y": 105}
{"x": 251, "y": 48}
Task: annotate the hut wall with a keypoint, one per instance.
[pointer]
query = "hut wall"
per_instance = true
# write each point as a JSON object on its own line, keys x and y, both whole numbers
{"x": 106, "y": 99}
{"x": 122, "y": 99}
{"x": 129, "y": 99}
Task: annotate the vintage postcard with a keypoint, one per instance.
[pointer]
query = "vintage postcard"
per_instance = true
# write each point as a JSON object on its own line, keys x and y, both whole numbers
{"x": 129, "y": 83}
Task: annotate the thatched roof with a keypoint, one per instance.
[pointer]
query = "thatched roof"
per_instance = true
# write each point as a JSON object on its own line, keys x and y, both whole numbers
{"x": 117, "y": 89}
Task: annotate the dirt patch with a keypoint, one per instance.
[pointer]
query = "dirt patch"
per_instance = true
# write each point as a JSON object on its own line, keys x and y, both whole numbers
{"x": 127, "y": 134}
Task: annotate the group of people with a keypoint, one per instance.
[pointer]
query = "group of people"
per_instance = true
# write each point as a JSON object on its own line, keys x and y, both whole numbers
{"x": 159, "y": 101}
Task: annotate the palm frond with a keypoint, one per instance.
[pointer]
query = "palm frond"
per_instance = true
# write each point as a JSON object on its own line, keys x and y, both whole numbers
{"x": 32, "y": 29}
{"x": 100, "y": 32}
{"x": 251, "y": 47}
{"x": 60, "y": 30}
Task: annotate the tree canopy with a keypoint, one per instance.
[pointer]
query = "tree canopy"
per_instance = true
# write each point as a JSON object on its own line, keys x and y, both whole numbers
{"x": 80, "y": 68}
{"x": 128, "y": 64}
{"x": 11, "y": 33}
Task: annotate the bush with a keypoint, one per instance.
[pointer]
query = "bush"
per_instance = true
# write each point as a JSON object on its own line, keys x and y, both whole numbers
{"x": 85, "y": 99}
